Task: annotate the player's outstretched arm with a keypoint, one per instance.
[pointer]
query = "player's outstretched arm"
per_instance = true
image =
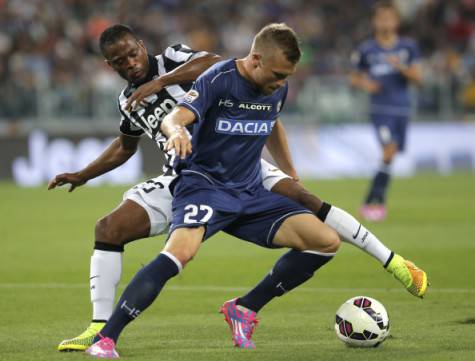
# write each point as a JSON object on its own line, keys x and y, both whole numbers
{"x": 185, "y": 73}
{"x": 174, "y": 128}
{"x": 361, "y": 81}
{"x": 278, "y": 147}
{"x": 116, "y": 154}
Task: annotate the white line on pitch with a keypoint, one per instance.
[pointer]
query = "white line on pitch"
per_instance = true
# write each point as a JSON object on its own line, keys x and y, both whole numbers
{"x": 207, "y": 288}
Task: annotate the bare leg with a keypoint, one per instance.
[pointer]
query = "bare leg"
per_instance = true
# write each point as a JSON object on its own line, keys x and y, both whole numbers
{"x": 347, "y": 227}
{"x": 128, "y": 222}
{"x": 313, "y": 244}
{"x": 145, "y": 287}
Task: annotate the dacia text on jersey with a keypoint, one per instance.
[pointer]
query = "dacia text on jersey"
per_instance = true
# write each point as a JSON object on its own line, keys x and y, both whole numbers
{"x": 244, "y": 127}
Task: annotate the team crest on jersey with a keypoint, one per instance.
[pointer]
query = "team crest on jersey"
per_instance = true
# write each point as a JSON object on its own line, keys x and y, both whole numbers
{"x": 191, "y": 96}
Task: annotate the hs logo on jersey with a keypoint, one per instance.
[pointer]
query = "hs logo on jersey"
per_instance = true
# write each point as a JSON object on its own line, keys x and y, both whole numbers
{"x": 225, "y": 103}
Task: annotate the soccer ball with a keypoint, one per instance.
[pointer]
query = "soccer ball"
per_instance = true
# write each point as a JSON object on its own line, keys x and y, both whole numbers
{"x": 362, "y": 322}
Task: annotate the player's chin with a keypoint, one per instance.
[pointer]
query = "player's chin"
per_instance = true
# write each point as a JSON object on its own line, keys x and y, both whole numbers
{"x": 137, "y": 78}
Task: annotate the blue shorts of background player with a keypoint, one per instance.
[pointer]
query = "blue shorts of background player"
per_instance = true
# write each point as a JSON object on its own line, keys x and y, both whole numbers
{"x": 254, "y": 216}
{"x": 391, "y": 129}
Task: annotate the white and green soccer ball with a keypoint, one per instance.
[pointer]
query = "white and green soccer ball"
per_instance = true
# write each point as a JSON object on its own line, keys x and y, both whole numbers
{"x": 362, "y": 322}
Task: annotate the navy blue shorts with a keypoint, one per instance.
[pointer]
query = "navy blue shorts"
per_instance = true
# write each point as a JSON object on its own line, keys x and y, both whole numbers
{"x": 391, "y": 129}
{"x": 252, "y": 216}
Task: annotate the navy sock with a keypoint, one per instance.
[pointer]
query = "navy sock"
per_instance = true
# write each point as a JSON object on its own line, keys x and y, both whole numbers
{"x": 139, "y": 294}
{"x": 379, "y": 186}
{"x": 290, "y": 271}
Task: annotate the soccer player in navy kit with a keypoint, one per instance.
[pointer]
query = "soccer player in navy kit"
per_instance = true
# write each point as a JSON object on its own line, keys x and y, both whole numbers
{"x": 385, "y": 66}
{"x": 234, "y": 105}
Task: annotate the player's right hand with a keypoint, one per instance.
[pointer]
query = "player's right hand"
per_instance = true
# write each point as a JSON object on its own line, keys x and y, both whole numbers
{"x": 66, "y": 178}
{"x": 180, "y": 142}
{"x": 372, "y": 86}
{"x": 138, "y": 96}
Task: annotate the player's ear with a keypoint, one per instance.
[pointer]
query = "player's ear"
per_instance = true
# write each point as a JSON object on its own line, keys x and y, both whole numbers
{"x": 141, "y": 44}
{"x": 256, "y": 60}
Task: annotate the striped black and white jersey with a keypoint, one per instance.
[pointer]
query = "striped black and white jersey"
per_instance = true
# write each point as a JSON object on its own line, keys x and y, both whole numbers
{"x": 147, "y": 120}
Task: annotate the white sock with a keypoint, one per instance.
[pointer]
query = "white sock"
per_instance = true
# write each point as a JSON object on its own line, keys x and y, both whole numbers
{"x": 106, "y": 270}
{"x": 354, "y": 232}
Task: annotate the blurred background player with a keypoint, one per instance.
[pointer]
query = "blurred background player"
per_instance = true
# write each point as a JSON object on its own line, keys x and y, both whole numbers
{"x": 385, "y": 66}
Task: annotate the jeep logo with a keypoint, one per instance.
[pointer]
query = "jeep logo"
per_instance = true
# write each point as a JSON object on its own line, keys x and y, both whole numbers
{"x": 153, "y": 115}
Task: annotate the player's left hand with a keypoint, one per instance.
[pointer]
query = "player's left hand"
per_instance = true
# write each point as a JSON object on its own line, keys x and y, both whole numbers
{"x": 138, "y": 96}
{"x": 74, "y": 179}
{"x": 180, "y": 142}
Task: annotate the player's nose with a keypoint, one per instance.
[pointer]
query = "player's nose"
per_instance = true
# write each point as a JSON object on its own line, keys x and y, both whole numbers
{"x": 132, "y": 64}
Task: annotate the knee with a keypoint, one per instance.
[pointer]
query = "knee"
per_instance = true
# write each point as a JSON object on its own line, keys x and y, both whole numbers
{"x": 185, "y": 256}
{"x": 333, "y": 242}
{"x": 329, "y": 242}
{"x": 389, "y": 153}
{"x": 108, "y": 232}
{"x": 184, "y": 247}
{"x": 388, "y": 158}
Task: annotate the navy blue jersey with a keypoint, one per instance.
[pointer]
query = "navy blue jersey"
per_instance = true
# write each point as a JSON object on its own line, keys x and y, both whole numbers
{"x": 233, "y": 120}
{"x": 370, "y": 58}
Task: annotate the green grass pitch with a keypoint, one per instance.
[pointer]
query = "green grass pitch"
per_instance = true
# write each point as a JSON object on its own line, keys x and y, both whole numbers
{"x": 46, "y": 241}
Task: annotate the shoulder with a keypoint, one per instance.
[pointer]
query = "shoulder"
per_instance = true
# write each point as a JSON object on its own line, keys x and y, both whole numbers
{"x": 366, "y": 46}
{"x": 179, "y": 47}
{"x": 407, "y": 43}
{"x": 359, "y": 55}
{"x": 181, "y": 52}
{"x": 172, "y": 57}
{"x": 220, "y": 72}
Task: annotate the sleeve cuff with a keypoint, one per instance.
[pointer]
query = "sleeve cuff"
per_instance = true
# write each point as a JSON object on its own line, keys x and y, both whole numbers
{"x": 192, "y": 108}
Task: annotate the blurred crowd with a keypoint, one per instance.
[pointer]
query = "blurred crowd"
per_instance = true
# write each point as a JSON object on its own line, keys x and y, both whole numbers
{"x": 49, "y": 57}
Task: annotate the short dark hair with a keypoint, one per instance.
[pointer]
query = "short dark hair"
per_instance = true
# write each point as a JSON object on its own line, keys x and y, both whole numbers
{"x": 384, "y": 5}
{"x": 281, "y": 36}
{"x": 114, "y": 33}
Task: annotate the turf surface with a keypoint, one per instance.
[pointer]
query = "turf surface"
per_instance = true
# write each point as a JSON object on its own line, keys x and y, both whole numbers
{"x": 46, "y": 242}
